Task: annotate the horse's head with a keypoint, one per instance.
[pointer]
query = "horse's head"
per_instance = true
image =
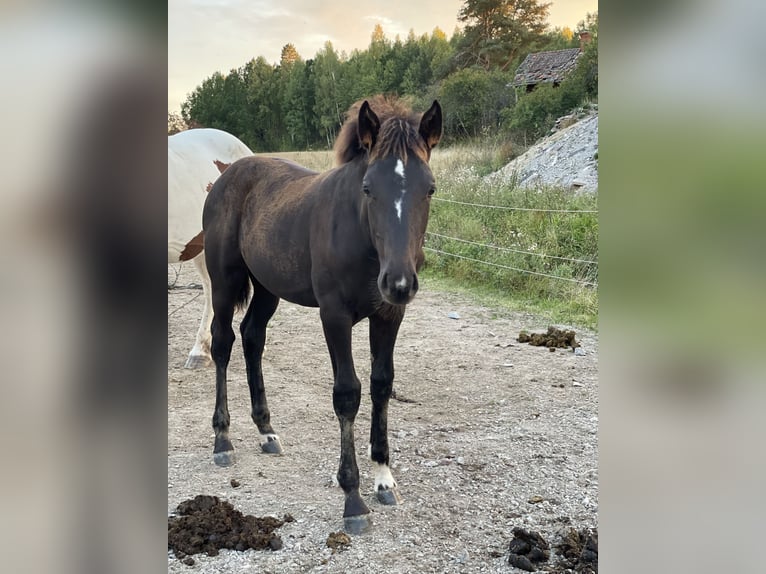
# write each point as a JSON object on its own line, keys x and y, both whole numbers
{"x": 398, "y": 186}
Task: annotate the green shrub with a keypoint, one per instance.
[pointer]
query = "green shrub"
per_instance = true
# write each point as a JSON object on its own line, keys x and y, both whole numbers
{"x": 472, "y": 100}
{"x": 535, "y": 113}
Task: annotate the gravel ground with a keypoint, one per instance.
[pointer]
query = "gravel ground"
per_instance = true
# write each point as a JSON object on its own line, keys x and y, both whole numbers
{"x": 494, "y": 425}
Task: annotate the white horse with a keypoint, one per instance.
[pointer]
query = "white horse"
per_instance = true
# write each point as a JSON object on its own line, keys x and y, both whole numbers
{"x": 195, "y": 160}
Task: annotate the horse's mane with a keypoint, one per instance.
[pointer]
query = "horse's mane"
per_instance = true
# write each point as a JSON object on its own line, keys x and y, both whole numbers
{"x": 398, "y": 131}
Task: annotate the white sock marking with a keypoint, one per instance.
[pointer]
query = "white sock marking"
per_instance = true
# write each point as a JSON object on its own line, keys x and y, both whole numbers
{"x": 383, "y": 476}
{"x": 402, "y": 283}
{"x": 398, "y": 206}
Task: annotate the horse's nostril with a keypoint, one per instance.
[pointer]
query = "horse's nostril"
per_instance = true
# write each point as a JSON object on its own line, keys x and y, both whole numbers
{"x": 398, "y": 287}
{"x": 401, "y": 284}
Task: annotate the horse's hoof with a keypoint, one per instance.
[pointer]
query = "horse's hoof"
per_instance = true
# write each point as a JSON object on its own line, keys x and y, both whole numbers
{"x": 272, "y": 445}
{"x": 197, "y": 362}
{"x": 226, "y": 458}
{"x": 357, "y": 524}
{"x": 389, "y": 496}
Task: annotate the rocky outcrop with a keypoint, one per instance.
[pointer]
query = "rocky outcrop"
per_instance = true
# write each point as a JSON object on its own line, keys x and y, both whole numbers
{"x": 567, "y": 158}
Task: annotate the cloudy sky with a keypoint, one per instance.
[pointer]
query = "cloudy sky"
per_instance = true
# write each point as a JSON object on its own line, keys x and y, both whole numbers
{"x": 205, "y": 36}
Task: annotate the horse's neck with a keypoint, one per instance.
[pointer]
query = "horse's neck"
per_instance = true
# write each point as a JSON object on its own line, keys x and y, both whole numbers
{"x": 347, "y": 189}
{"x": 349, "y": 179}
{"x": 356, "y": 168}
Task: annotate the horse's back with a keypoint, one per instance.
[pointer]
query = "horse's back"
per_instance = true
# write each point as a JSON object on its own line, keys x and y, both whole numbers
{"x": 195, "y": 160}
{"x": 258, "y": 214}
{"x": 266, "y": 183}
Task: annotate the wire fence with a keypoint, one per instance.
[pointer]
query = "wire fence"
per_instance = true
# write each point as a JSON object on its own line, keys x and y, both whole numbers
{"x": 508, "y": 267}
{"x": 510, "y": 249}
{"x": 511, "y": 208}
{"x": 586, "y": 263}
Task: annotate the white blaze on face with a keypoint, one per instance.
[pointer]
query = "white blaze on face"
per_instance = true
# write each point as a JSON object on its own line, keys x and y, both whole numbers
{"x": 402, "y": 283}
{"x": 399, "y": 169}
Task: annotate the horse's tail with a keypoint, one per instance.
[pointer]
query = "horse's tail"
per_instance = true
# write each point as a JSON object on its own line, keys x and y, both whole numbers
{"x": 221, "y": 216}
{"x": 243, "y": 295}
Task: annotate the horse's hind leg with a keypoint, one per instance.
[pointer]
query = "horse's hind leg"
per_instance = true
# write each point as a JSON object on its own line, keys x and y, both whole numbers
{"x": 200, "y": 354}
{"x": 383, "y": 333}
{"x": 225, "y": 297}
{"x": 253, "y": 329}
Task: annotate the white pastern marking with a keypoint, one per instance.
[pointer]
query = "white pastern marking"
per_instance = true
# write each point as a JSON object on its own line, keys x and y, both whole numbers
{"x": 383, "y": 476}
{"x": 398, "y": 206}
{"x": 399, "y": 169}
{"x": 402, "y": 283}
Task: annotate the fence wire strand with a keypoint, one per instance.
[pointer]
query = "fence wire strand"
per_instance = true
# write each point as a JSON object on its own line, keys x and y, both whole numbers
{"x": 580, "y": 281}
{"x": 509, "y": 208}
{"x": 510, "y": 249}
{"x": 177, "y": 309}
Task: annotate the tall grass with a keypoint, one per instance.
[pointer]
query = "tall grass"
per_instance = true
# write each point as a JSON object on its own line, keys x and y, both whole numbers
{"x": 552, "y": 286}
{"x": 548, "y": 251}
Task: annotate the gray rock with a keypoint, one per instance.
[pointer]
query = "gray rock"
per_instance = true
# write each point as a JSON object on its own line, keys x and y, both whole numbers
{"x": 565, "y": 158}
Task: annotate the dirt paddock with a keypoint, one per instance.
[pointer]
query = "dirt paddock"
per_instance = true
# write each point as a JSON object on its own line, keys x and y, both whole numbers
{"x": 487, "y": 434}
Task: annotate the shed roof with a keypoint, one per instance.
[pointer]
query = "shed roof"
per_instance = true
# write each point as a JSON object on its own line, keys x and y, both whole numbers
{"x": 552, "y": 66}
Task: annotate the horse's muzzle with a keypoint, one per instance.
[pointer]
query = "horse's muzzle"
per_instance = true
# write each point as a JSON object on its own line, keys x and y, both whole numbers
{"x": 398, "y": 288}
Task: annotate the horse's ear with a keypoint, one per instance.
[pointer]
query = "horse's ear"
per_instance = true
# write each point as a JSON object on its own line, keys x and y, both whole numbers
{"x": 367, "y": 126}
{"x": 431, "y": 125}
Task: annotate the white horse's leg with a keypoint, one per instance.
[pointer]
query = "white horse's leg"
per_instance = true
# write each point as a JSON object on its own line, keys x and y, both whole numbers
{"x": 200, "y": 354}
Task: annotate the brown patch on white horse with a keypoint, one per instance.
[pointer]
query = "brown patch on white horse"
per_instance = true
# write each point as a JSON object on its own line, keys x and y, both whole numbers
{"x": 221, "y": 165}
{"x": 193, "y": 248}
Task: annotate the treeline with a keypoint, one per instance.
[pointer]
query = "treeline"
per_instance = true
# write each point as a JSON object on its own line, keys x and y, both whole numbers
{"x": 299, "y": 104}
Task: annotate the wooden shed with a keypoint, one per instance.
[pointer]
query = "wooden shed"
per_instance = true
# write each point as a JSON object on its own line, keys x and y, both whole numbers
{"x": 548, "y": 67}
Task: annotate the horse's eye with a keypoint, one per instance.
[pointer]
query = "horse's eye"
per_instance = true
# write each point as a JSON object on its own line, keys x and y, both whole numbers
{"x": 366, "y": 189}
{"x": 432, "y": 190}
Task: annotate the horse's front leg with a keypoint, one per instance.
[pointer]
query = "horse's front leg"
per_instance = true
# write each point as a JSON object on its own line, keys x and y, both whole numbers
{"x": 383, "y": 331}
{"x": 346, "y": 395}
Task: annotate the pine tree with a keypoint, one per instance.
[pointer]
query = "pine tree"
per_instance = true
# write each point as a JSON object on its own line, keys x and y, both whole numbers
{"x": 289, "y": 55}
{"x": 497, "y": 31}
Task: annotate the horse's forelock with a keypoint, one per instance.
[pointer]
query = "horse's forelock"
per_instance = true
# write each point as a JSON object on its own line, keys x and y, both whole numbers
{"x": 396, "y": 136}
{"x": 398, "y": 131}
